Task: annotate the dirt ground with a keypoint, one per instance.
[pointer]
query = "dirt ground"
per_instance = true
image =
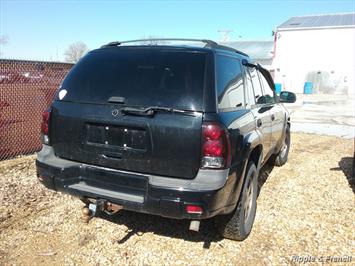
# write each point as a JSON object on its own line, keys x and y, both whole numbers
{"x": 325, "y": 114}
{"x": 305, "y": 208}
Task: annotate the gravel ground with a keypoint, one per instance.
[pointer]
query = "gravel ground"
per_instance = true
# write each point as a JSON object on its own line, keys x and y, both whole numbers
{"x": 305, "y": 208}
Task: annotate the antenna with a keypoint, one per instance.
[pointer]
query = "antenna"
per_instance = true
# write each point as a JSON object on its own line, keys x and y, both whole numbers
{"x": 225, "y": 35}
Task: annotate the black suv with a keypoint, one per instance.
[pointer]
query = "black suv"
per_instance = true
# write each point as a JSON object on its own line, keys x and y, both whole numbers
{"x": 179, "y": 131}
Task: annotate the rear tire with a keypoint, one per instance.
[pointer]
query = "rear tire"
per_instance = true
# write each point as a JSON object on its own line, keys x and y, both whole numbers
{"x": 281, "y": 157}
{"x": 238, "y": 224}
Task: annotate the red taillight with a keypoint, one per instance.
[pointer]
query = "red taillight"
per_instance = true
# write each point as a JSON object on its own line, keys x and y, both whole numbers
{"x": 45, "y": 125}
{"x": 194, "y": 209}
{"x": 45, "y": 122}
{"x": 215, "y": 146}
{"x": 212, "y": 131}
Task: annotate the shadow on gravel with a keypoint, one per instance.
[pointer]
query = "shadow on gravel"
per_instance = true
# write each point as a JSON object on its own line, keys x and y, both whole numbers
{"x": 265, "y": 172}
{"x": 139, "y": 223}
{"x": 346, "y": 164}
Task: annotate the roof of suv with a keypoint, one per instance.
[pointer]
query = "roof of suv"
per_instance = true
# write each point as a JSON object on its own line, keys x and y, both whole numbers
{"x": 208, "y": 44}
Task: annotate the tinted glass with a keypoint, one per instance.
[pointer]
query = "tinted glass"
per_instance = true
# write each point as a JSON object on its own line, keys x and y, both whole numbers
{"x": 144, "y": 77}
{"x": 250, "y": 90}
{"x": 268, "y": 93}
{"x": 230, "y": 88}
{"x": 258, "y": 92}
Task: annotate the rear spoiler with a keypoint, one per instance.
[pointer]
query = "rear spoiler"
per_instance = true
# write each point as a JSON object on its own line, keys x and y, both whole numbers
{"x": 263, "y": 71}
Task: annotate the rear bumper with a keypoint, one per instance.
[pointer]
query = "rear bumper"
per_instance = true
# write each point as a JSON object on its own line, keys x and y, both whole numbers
{"x": 157, "y": 195}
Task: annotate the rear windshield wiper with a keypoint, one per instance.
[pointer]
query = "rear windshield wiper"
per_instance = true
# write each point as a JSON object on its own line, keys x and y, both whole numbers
{"x": 151, "y": 110}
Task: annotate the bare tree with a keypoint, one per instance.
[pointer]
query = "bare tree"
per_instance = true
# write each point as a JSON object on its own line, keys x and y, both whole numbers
{"x": 75, "y": 51}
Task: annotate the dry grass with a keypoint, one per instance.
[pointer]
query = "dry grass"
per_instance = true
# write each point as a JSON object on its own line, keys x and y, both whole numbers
{"x": 305, "y": 208}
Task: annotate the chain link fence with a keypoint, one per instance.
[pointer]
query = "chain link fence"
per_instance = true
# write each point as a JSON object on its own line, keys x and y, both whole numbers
{"x": 26, "y": 89}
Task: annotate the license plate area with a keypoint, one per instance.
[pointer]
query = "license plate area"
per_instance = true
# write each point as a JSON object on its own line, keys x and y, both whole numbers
{"x": 116, "y": 136}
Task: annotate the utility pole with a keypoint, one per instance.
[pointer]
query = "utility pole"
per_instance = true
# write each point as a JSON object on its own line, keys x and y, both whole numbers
{"x": 225, "y": 35}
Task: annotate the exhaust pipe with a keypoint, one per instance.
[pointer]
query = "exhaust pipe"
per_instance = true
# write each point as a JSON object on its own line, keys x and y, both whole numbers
{"x": 194, "y": 225}
{"x": 111, "y": 208}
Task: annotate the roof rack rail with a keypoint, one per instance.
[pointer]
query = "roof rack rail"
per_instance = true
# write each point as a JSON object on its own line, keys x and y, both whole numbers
{"x": 117, "y": 43}
{"x": 208, "y": 43}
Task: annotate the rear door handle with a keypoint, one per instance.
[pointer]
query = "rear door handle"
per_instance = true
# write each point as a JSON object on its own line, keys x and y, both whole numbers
{"x": 112, "y": 155}
{"x": 272, "y": 117}
{"x": 259, "y": 122}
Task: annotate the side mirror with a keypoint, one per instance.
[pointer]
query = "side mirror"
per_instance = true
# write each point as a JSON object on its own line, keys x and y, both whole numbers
{"x": 287, "y": 97}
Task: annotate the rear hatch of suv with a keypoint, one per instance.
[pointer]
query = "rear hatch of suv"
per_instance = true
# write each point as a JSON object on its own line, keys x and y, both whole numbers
{"x": 134, "y": 109}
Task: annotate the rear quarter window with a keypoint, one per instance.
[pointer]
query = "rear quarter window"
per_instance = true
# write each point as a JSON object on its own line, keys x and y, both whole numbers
{"x": 230, "y": 87}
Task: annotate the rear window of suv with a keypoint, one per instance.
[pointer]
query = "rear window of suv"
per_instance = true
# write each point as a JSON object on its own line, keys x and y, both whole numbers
{"x": 144, "y": 77}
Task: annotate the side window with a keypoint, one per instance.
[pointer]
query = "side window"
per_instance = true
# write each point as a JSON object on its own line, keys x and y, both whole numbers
{"x": 258, "y": 92}
{"x": 268, "y": 93}
{"x": 249, "y": 89}
{"x": 230, "y": 89}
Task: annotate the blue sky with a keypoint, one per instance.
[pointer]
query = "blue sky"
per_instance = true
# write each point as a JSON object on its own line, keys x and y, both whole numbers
{"x": 43, "y": 29}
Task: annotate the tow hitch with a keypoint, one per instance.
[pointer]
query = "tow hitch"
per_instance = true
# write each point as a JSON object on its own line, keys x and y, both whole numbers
{"x": 94, "y": 207}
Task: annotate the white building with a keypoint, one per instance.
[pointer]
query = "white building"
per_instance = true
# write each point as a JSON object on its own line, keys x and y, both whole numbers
{"x": 259, "y": 51}
{"x": 318, "y": 49}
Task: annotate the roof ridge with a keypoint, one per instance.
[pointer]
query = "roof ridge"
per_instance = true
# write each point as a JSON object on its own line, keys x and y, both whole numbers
{"x": 329, "y": 14}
